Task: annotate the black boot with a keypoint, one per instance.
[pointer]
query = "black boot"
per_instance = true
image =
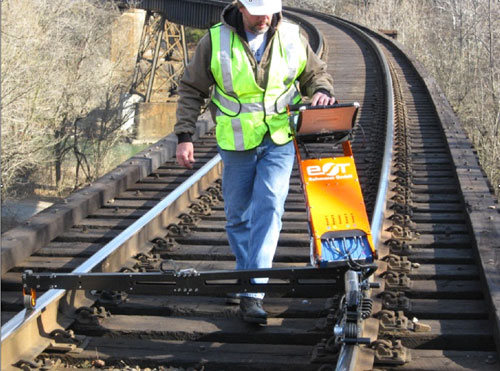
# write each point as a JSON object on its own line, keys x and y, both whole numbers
{"x": 252, "y": 311}
{"x": 233, "y": 299}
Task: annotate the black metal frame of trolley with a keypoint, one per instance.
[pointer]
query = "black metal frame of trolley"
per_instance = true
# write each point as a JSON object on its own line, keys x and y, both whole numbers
{"x": 290, "y": 282}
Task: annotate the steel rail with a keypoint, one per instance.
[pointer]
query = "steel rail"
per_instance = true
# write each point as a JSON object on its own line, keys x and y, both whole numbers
{"x": 45, "y": 311}
{"x": 383, "y": 186}
{"x": 348, "y": 357}
{"x": 349, "y": 353}
{"x": 381, "y": 199}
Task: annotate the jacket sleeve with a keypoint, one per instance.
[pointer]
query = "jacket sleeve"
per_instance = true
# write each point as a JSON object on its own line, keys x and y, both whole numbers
{"x": 194, "y": 89}
{"x": 315, "y": 76}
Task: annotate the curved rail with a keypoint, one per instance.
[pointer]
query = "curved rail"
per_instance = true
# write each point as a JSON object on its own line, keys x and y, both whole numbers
{"x": 381, "y": 198}
{"x": 348, "y": 357}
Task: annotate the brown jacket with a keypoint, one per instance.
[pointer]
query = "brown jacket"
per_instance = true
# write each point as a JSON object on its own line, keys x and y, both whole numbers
{"x": 197, "y": 81}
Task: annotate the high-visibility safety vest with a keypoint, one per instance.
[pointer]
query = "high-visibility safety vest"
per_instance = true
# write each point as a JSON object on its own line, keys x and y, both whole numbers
{"x": 245, "y": 111}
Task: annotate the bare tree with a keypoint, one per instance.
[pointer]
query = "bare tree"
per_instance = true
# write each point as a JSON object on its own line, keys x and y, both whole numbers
{"x": 464, "y": 45}
{"x": 459, "y": 43}
{"x": 56, "y": 76}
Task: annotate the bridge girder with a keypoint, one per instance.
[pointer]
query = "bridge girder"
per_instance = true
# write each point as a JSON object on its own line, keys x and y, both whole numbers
{"x": 191, "y": 13}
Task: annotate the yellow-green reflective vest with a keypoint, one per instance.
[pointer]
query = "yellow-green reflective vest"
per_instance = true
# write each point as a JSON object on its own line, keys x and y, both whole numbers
{"x": 245, "y": 111}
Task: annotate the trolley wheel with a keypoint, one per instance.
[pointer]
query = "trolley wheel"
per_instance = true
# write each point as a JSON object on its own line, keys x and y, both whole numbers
{"x": 29, "y": 301}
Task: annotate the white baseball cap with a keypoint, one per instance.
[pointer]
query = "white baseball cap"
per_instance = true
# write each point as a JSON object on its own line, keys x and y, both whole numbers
{"x": 262, "y": 7}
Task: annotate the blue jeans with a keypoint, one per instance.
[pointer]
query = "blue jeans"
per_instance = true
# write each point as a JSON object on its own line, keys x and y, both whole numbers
{"x": 255, "y": 186}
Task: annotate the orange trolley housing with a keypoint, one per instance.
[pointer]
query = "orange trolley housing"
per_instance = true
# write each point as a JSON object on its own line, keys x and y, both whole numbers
{"x": 338, "y": 224}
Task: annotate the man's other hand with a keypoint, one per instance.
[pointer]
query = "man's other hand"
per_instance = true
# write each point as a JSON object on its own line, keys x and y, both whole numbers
{"x": 185, "y": 154}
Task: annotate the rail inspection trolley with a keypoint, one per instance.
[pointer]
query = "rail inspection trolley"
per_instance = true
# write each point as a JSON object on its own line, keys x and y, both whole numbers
{"x": 338, "y": 224}
{"x": 341, "y": 246}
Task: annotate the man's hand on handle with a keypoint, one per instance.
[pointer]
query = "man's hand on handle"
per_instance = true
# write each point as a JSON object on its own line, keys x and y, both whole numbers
{"x": 185, "y": 154}
{"x": 322, "y": 99}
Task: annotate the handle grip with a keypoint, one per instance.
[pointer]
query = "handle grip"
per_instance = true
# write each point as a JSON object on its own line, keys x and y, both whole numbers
{"x": 307, "y": 106}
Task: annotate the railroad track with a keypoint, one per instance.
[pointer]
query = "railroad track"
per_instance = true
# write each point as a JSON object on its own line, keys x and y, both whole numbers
{"x": 429, "y": 270}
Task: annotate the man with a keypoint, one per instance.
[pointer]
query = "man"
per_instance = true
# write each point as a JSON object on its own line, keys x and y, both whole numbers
{"x": 252, "y": 60}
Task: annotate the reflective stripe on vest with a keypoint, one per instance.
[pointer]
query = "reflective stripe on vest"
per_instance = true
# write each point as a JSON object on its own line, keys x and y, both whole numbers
{"x": 245, "y": 111}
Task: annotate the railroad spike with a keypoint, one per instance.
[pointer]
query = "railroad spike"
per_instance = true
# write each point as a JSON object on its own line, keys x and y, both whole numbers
{"x": 397, "y": 281}
{"x": 396, "y": 263}
{"x": 108, "y": 296}
{"x": 91, "y": 316}
{"x": 25, "y": 364}
{"x": 395, "y": 301}
{"x": 404, "y": 209}
{"x": 188, "y": 219}
{"x": 390, "y": 352}
{"x": 162, "y": 245}
{"x": 401, "y": 233}
{"x": 398, "y": 247}
{"x": 67, "y": 341}
{"x": 200, "y": 208}
{"x": 326, "y": 351}
{"x": 176, "y": 230}
{"x": 390, "y": 321}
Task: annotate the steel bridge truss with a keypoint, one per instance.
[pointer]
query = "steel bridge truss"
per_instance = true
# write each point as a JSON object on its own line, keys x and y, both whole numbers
{"x": 161, "y": 58}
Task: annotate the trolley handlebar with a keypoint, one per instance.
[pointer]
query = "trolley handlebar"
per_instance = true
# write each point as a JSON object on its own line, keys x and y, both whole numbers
{"x": 308, "y": 106}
